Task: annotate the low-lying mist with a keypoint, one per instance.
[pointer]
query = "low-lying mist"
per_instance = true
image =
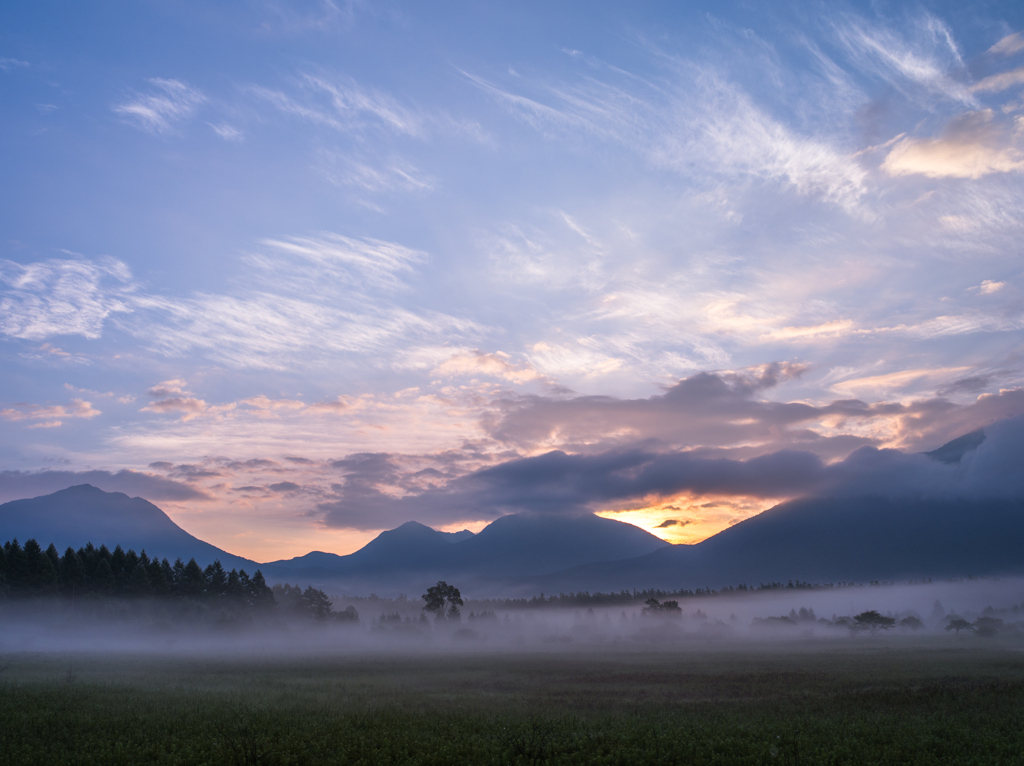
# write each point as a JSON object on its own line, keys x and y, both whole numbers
{"x": 790, "y": 616}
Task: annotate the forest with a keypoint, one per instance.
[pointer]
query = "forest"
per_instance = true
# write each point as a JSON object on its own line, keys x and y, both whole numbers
{"x": 91, "y": 574}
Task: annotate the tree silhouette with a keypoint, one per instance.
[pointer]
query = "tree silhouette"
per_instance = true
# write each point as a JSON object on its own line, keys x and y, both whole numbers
{"x": 653, "y": 606}
{"x": 873, "y": 622}
{"x": 443, "y": 600}
{"x": 987, "y": 626}
{"x": 911, "y": 623}
{"x": 958, "y": 624}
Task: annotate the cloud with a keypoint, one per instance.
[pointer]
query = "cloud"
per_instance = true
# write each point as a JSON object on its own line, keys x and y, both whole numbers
{"x": 667, "y": 523}
{"x": 557, "y": 482}
{"x": 189, "y": 407}
{"x": 341, "y": 103}
{"x": 694, "y": 118}
{"x": 988, "y": 286}
{"x": 394, "y": 174}
{"x": 999, "y": 82}
{"x": 159, "y": 111}
{"x": 474, "y": 363}
{"x": 972, "y": 145}
{"x": 921, "y": 59}
{"x": 834, "y": 328}
{"x": 1008, "y": 45}
{"x": 878, "y": 385}
{"x": 51, "y": 414}
{"x": 7, "y": 64}
{"x": 368, "y": 262}
{"x": 707, "y": 409}
{"x": 15, "y": 485}
{"x": 62, "y": 297}
{"x": 227, "y": 132}
{"x": 171, "y": 396}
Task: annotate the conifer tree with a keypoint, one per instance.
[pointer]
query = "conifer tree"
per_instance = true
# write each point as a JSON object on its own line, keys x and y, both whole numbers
{"x": 103, "y": 576}
{"x": 51, "y": 551}
{"x": 262, "y": 596}
{"x": 42, "y": 577}
{"x": 72, "y": 573}
{"x": 193, "y": 581}
{"x": 138, "y": 582}
{"x": 216, "y": 579}
{"x": 17, "y": 565}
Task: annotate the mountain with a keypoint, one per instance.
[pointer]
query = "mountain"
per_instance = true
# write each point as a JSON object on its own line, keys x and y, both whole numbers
{"x": 82, "y": 514}
{"x": 828, "y": 540}
{"x": 515, "y": 546}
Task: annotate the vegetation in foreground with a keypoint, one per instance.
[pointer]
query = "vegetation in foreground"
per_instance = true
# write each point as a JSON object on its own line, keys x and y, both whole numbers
{"x": 944, "y": 701}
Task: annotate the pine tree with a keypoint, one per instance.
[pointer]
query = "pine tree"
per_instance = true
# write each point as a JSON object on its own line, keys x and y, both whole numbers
{"x": 51, "y": 551}
{"x": 262, "y": 596}
{"x": 316, "y": 604}
{"x": 158, "y": 578}
{"x": 41, "y": 576}
{"x": 103, "y": 577}
{"x": 71, "y": 573}
{"x": 216, "y": 579}
{"x": 119, "y": 566}
{"x": 3, "y": 572}
{"x": 193, "y": 581}
{"x": 17, "y": 567}
{"x": 178, "y": 576}
{"x": 131, "y": 558}
{"x": 138, "y": 582}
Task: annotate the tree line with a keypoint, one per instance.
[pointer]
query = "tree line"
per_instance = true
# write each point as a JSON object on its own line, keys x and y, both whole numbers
{"x": 628, "y": 597}
{"x": 28, "y": 571}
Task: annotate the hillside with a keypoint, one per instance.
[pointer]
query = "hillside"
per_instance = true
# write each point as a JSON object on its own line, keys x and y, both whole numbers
{"x": 81, "y": 514}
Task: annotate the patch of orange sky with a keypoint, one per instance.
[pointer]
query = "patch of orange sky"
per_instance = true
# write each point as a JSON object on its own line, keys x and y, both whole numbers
{"x": 688, "y": 519}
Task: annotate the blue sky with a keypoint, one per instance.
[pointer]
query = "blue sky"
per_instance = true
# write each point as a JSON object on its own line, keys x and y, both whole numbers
{"x": 288, "y": 269}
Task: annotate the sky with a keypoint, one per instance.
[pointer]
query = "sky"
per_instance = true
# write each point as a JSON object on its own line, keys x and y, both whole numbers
{"x": 299, "y": 272}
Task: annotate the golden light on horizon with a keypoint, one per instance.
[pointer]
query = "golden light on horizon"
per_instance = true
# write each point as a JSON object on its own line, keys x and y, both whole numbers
{"x": 689, "y": 519}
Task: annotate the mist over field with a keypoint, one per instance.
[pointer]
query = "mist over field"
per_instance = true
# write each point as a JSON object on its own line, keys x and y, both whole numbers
{"x": 792, "y": 617}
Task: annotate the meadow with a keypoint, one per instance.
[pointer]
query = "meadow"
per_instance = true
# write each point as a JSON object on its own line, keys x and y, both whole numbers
{"x": 862, "y": 700}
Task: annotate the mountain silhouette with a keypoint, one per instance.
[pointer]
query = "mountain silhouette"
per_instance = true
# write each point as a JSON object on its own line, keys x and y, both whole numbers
{"x": 82, "y": 514}
{"x": 817, "y": 539}
{"x": 514, "y": 546}
{"x": 828, "y": 540}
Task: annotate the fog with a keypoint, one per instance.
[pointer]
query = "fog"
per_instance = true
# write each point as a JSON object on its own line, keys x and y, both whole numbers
{"x": 813, "y": 617}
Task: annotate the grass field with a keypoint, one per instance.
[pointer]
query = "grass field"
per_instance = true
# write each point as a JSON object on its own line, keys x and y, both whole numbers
{"x": 933, "y": 700}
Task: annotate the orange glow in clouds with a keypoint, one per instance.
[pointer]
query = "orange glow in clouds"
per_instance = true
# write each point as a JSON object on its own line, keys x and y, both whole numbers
{"x": 687, "y": 519}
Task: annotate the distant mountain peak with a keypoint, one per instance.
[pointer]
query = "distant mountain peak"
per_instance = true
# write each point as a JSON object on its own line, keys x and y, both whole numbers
{"x": 953, "y": 451}
{"x": 83, "y": 513}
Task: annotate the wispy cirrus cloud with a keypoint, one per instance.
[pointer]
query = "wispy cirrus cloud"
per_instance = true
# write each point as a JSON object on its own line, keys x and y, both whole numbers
{"x": 692, "y": 116}
{"x": 169, "y": 103}
{"x": 341, "y": 103}
{"x": 390, "y": 175}
{"x": 921, "y": 58}
{"x": 8, "y": 64}
{"x": 304, "y": 298}
{"x": 62, "y": 297}
{"x": 1009, "y": 45}
{"x": 227, "y": 132}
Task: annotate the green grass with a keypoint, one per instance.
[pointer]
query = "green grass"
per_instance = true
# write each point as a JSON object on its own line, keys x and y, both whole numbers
{"x": 869, "y": 701}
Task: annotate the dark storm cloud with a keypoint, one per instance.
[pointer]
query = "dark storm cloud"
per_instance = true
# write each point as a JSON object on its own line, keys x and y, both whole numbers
{"x": 557, "y": 482}
{"x": 15, "y": 485}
